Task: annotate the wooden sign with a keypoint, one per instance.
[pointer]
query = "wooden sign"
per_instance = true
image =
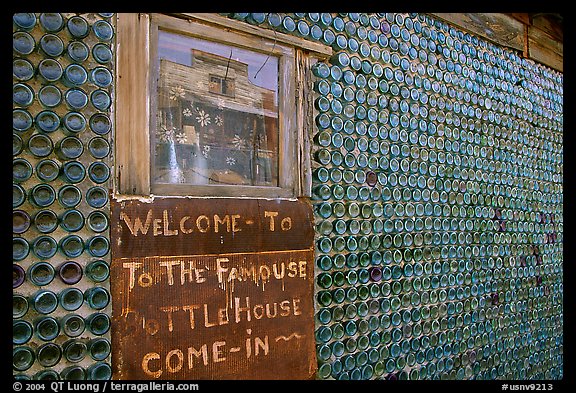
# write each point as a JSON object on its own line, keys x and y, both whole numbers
{"x": 212, "y": 289}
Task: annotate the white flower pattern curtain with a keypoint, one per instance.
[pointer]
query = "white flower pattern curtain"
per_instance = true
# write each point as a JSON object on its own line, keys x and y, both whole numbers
{"x": 201, "y": 143}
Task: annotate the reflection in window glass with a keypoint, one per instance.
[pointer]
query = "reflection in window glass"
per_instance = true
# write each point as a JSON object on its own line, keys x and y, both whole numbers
{"x": 217, "y": 115}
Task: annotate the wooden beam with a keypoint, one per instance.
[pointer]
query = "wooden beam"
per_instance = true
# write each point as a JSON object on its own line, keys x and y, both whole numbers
{"x": 523, "y": 17}
{"x": 132, "y": 144}
{"x": 319, "y": 50}
{"x": 545, "y": 49}
{"x": 549, "y": 25}
{"x": 499, "y": 28}
{"x": 304, "y": 120}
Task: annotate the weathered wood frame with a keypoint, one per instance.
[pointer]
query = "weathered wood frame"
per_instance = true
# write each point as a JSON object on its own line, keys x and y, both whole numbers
{"x": 131, "y": 135}
{"x": 137, "y": 36}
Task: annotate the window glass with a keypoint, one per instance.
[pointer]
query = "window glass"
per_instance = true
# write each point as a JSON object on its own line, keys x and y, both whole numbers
{"x": 217, "y": 114}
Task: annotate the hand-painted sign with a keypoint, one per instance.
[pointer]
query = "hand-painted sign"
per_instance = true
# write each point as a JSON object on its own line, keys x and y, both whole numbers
{"x": 213, "y": 290}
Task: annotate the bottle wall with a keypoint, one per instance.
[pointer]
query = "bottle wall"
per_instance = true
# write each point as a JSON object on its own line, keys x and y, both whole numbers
{"x": 438, "y": 164}
{"x": 63, "y": 68}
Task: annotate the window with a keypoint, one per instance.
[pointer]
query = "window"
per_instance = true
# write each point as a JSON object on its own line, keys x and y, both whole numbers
{"x": 221, "y": 85}
{"x": 209, "y": 106}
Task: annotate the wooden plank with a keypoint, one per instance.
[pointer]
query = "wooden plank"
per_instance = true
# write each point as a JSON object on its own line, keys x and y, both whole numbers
{"x": 184, "y": 226}
{"x": 305, "y": 119}
{"x": 523, "y": 17}
{"x": 545, "y": 49}
{"x": 549, "y": 25}
{"x": 132, "y": 144}
{"x": 232, "y": 299}
{"x": 154, "y": 101}
{"x": 318, "y": 49}
{"x": 499, "y": 28}
{"x": 288, "y": 172}
{"x": 259, "y": 325}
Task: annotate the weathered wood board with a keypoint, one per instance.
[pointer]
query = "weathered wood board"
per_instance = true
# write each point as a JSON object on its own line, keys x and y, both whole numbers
{"x": 212, "y": 289}
{"x": 500, "y": 28}
{"x": 545, "y": 49}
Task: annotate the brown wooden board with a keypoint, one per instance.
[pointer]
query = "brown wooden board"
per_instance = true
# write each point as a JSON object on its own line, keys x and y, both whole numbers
{"x": 236, "y": 303}
{"x": 545, "y": 49}
{"x": 132, "y": 152}
{"x": 500, "y": 28}
{"x": 551, "y": 24}
{"x": 186, "y": 226}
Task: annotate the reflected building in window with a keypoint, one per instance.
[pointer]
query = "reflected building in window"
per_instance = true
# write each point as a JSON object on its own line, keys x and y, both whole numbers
{"x": 214, "y": 125}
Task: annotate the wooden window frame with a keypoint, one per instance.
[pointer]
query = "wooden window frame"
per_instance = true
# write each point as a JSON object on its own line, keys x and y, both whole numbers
{"x": 137, "y": 37}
